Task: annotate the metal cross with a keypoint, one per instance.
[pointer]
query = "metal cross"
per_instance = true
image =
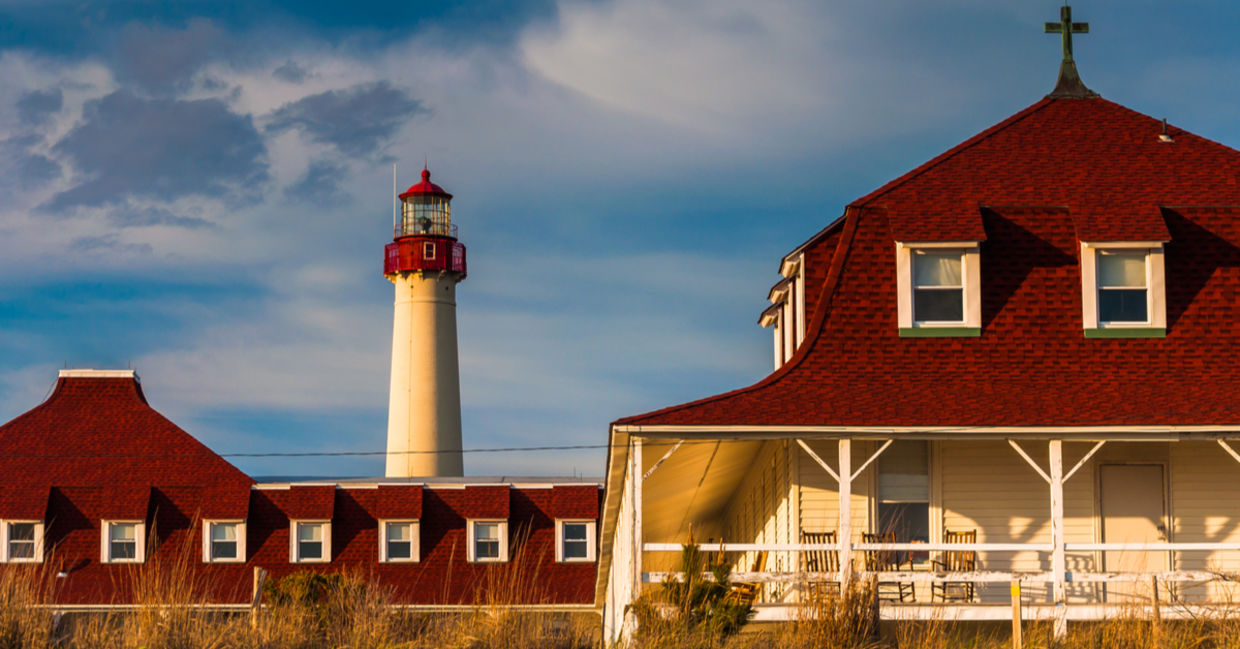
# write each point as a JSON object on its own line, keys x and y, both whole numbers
{"x": 1067, "y": 28}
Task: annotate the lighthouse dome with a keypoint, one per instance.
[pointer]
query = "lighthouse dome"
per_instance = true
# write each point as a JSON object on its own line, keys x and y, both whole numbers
{"x": 425, "y": 188}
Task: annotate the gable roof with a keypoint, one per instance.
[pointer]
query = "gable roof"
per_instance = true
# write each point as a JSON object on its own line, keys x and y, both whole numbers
{"x": 97, "y": 429}
{"x": 1053, "y": 174}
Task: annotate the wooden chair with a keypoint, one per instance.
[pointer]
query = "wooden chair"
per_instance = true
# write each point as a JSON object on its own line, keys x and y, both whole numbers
{"x": 886, "y": 561}
{"x": 820, "y": 561}
{"x": 955, "y": 561}
{"x": 748, "y": 591}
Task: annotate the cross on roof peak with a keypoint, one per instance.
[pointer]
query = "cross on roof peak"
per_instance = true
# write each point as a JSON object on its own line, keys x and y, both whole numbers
{"x": 1066, "y": 29}
{"x": 1070, "y": 84}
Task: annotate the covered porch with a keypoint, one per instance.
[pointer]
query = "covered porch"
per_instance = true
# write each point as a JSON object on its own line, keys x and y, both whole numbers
{"x": 1067, "y": 524}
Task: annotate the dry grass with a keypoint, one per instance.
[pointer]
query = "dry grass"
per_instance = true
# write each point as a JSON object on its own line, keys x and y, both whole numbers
{"x": 828, "y": 620}
{"x": 305, "y": 611}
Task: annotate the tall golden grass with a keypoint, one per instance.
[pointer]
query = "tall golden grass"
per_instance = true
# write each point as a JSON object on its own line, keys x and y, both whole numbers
{"x": 302, "y": 611}
{"x": 827, "y": 619}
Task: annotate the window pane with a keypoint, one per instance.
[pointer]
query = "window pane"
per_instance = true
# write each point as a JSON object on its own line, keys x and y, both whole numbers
{"x": 123, "y": 550}
{"x": 486, "y": 540}
{"x": 909, "y": 521}
{"x": 1122, "y": 305}
{"x": 309, "y": 550}
{"x": 21, "y": 532}
{"x": 1122, "y": 269}
{"x": 574, "y": 531}
{"x": 904, "y": 472}
{"x": 123, "y": 532}
{"x": 223, "y": 531}
{"x": 21, "y": 549}
{"x": 936, "y": 268}
{"x": 223, "y": 549}
{"x": 21, "y": 540}
{"x": 575, "y": 549}
{"x": 486, "y": 549}
{"x": 938, "y": 305}
{"x": 398, "y": 531}
{"x": 309, "y": 532}
{"x": 399, "y": 550}
{"x": 488, "y": 531}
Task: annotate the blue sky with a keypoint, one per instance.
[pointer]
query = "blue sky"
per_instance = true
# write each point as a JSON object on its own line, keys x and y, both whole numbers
{"x": 202, "y": 190}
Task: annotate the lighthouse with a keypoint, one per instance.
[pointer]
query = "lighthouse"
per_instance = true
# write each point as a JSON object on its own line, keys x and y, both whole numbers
{"x": 425, "y": 262}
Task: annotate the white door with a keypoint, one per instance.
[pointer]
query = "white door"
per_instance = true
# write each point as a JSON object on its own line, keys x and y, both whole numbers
{"x": 1132, "y": 512}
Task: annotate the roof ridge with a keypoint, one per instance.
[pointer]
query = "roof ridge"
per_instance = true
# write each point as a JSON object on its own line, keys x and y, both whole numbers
{"x": 851, "y": 215}
{"x": 939, "y": 159}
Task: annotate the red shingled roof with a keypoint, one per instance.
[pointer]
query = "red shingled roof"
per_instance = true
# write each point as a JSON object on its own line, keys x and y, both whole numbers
{"x": 1039, "y": 182}
{"x": 95, "y": 431}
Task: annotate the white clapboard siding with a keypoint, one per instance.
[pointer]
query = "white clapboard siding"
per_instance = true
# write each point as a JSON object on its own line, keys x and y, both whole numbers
{"x": 986, "y": 486}
{"x": 1205, "y": 494}
{"x": 820, "y": 500}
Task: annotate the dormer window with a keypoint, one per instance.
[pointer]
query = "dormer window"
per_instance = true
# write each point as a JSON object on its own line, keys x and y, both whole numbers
{"x": 1123, "y": 294}
{"x": 123, "y": 542}
{"x": 938, "y": 289}
{"x": 1123, "y": 290}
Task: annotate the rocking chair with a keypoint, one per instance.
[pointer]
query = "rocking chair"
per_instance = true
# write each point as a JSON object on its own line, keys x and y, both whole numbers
{"x": 747, "y": 591}
{"x": 821, "y": 561}
{"x": 887, "y": 561}
{"x": 956, "y": 561}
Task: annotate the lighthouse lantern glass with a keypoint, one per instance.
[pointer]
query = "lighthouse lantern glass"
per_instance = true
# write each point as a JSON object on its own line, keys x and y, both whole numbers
{"x": 425, "y": 215}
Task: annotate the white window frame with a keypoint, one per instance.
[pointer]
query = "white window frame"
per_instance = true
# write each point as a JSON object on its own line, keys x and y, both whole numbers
{"x": 428, "y": 250}
{"x": 970, "y": 275}
{"x": 503, "y": 541}
{"x": 105, "y": 546}
{"x": 206, "y": 540}
{"x": 1155, "y": 283}
{"x": 591, "y": 539}
{"x": 38, "y": 542}
{"x": 293, "y": 525}
{"x": 415, "y": 542}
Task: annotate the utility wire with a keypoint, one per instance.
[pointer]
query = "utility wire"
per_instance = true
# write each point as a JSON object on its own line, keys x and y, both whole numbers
{"x": 507, "y": 449}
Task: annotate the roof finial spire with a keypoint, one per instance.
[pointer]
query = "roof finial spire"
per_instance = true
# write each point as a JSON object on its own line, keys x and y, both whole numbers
{"x": 1069, "y": 84}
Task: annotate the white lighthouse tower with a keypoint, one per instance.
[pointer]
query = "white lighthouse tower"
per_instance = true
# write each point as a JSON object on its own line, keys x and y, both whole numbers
{"x": 425, "y": 262}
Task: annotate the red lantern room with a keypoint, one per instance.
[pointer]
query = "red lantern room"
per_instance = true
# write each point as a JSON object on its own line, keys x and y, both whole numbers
{"x": 424, "y": 238}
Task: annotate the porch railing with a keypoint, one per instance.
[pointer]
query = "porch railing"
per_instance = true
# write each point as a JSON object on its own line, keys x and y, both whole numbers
{"x": 978, "y": 576}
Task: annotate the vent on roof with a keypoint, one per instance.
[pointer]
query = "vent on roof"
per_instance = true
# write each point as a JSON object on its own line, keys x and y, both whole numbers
{"x": 1164, "y": 137}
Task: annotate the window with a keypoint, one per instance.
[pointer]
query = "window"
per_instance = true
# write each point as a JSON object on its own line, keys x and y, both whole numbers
{"x": 574, "y": 541}
{"x": 938, "y": 289}
{"x": 223, "y": 541}
{"x": 428, "y": 250}
{"x": 1122, "y": 289}
{"x": 310, "y": 542}
{"x": 488, "y": 541}
{"x": 1122, "y": 293}
{"x": 123, "y": 542}
{"x": 23, "y": 542}
{"x": 398, "y": 541}
{"x": 904, "y": 491}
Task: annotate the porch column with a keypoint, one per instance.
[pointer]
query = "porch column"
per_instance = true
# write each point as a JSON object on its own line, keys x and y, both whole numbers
{"x": 637, "y": 517}
{"x": 1059, "y": 564}
{"x": 845, "y": 522}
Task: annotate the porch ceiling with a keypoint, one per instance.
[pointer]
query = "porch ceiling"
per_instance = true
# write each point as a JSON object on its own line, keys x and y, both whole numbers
{"x": 693, "y": 486}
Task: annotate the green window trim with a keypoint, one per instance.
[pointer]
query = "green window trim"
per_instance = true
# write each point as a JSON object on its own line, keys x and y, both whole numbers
{"x": 940, "y": 332}
{"x": 1127, "y": 332}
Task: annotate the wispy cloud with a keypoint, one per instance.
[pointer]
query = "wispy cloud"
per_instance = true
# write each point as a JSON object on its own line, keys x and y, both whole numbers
{"x": 358, "y": 121}
{"x": 126, "y": 146}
